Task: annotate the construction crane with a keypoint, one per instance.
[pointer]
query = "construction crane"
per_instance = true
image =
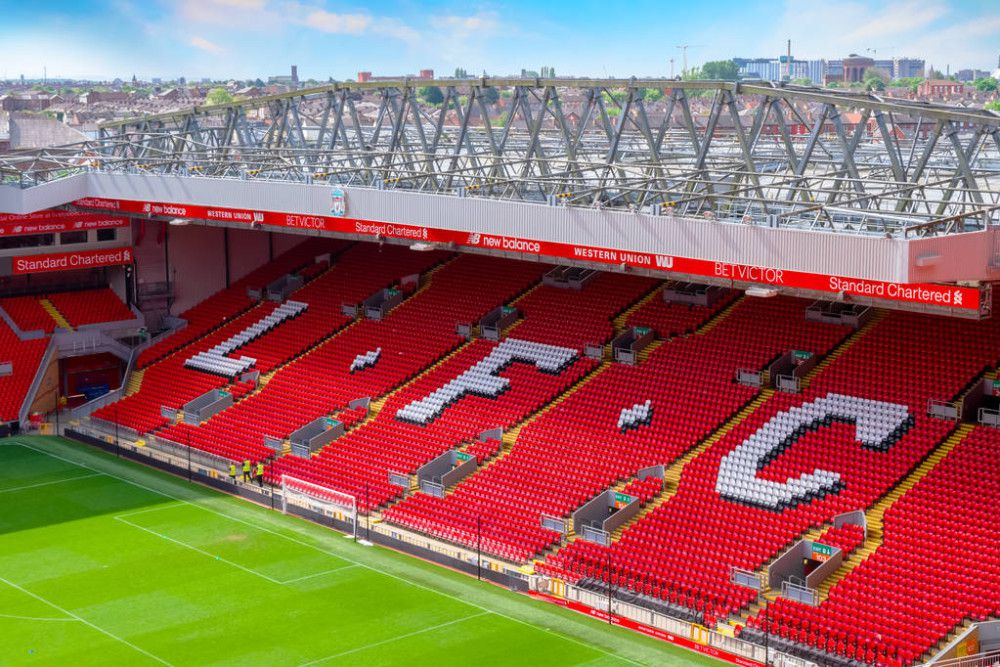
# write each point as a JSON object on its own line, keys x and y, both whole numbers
{"x": 684, "y": 50}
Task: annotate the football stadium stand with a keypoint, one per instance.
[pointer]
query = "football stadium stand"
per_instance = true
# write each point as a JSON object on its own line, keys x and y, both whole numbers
{"x": 744, "y": 470}
{"x": 571, "y": 427}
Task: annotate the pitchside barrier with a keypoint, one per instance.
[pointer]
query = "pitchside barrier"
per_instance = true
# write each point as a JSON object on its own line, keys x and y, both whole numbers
{"x": 338, "y": 510}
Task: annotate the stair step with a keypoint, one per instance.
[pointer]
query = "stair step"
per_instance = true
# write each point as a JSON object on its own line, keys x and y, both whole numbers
{"x": 54, "y": 313}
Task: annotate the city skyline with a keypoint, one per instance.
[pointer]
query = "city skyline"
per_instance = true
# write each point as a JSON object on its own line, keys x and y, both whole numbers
{"x": 105, "y": 39}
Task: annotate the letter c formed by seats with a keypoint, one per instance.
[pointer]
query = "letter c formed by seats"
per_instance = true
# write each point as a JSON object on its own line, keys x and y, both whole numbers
{"x": 878, "y": 426}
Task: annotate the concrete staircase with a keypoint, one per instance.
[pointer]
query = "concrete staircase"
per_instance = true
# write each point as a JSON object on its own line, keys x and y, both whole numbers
{"x": 54, "y": 313}
{"x": 716, "y": 319}
{"x": 876, "y": 514}
{"x": 134, "y": 383}
{"x": 847, "y": 344}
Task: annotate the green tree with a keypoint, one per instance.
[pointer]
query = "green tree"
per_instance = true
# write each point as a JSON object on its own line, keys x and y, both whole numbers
{"x": 986, "y": 84}
{"x": 911, "y": 82}
{"x": 806, "y": 81}
{"x": 652, "y": 94}
{"x": 219, "y": 96}
{"x": 992, "y": 106}
{"x": 724, "y": 70}
{"x": 833, "y": 84}
{"x": 430, "y": 94}
{"x": 490, "y": 95}
{"x": 874, "y": 79}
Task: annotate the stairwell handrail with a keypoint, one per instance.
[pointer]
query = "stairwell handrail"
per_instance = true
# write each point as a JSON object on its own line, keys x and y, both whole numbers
{"x": 43, "y": 365}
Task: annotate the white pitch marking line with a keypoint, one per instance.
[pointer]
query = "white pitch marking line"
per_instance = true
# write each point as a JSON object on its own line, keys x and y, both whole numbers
{"x": 280, "y": 582}
{"x": 319, "y": 574}
{"x": 394, "y": 639}
{"x": 35, "y": 618}
{"x": 514, "y": 619}
{"x": 158, "y": 508}
{"x": 57, "y": 481}
{"x": 86, "y": 622}
{"x": 201, "y": 551}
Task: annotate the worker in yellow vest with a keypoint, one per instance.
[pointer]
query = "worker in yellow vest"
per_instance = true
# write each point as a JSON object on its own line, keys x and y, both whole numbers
{"x": 232, "y": 471}
{"x": 260, "y": 474}
{"x": 246, "y": 470}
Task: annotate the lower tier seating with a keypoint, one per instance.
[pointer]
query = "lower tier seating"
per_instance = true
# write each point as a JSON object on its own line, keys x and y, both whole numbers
{"x": 28, "y": 313}
{"x": 358, "y": 273}
{"x": 933, "y": 570}
{"x": 25, "y": 356}
{"x": 581, "y": 448}
{"x": 230, "y": 302}
{"x": 684, "y": 550}
{"x": 359, "y": 463}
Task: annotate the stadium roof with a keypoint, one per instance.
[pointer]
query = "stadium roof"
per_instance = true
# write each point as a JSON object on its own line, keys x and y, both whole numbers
{"x": 757, "y": 153}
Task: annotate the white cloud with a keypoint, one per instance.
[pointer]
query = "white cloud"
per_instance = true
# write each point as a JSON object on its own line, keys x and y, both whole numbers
{"x": 484, "y": 23}
{"x": 205, "y": 45}
{"x": 396, "y": 29}
{"x": 350, "y": 24}
{"x": 931, "y": 29}
{"x": 898, "y": 19}
{"x": 242, "y": 14}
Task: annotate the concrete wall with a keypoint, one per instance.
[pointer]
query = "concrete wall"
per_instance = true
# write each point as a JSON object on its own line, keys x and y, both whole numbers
{"x": 247, "y": 251}
{"x": 45, "y": 399}
{"x": 195, "y": 268}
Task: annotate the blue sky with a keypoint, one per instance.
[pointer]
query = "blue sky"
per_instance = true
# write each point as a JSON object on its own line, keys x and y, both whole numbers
{"x": 251, "y": 38}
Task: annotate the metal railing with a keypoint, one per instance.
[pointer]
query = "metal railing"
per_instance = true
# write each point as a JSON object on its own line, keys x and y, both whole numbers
{"x": 36, "y": 382}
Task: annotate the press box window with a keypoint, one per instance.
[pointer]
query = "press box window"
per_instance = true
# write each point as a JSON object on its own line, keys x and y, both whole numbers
{"x": 69, "y": 238}
{"x": 106, "y": 234}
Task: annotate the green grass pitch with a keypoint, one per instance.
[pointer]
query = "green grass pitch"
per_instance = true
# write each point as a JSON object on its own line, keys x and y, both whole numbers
{"x": 107, "y": 562}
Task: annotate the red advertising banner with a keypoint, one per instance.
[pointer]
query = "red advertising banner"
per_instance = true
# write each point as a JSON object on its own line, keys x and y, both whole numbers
{"x": 69, "y": 261}
{"x": 965, "y": 298}
{"x": 649, "y": 631}
{"x": 54, "y": 222}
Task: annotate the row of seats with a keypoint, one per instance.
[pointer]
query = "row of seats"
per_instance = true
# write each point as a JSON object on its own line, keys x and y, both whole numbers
{"x": 91, "y": 306}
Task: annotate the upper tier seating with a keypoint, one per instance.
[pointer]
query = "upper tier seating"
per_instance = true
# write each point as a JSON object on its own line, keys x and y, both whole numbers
{"x": 359, "y": 462}
{"x": 578, "y": 449}
{"x": 25, "y": 356}
{"x": 28, "y": 313}
{"x": 91, "y": 306}
{"x": 683, "y": 551}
